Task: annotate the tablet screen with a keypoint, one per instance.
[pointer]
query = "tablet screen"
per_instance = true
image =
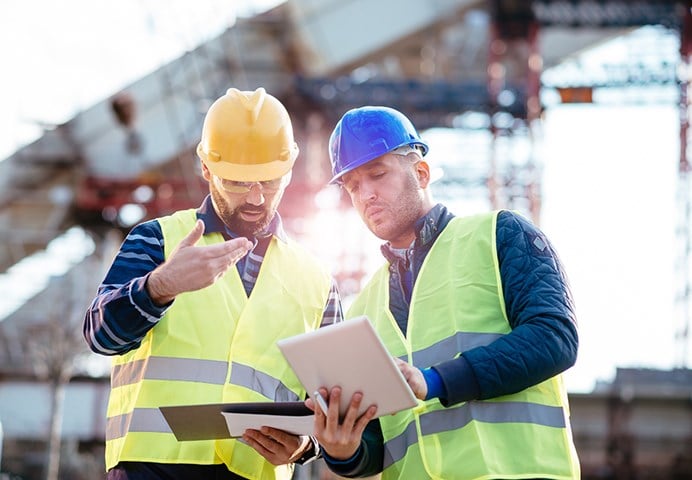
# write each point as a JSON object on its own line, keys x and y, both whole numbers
{"x": 349, "y": 355}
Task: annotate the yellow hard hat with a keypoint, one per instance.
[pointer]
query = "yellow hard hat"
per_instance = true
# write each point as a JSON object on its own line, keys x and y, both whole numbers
{"x": 247, "y": 137}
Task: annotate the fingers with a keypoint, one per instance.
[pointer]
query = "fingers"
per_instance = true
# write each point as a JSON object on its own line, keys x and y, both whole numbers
{"x": 277, "y": 446}
{"x": 262, "y": 444}
{"x": 239, "y": 247}
{"x": 228, "y": 252}
{"x": 333, "y": 402}
{"x": 355, "y": 422}
{"x": 320, "y": 415}
{"x": 414, "y": 377}
{"x": 280, "y": 437}
{"x": 214, "y": 260}
{"x": 195, "y": 234}
{"x": 341, "y": 438}
{"x": 233, "y": 249}
{"x": 191, "y": 267}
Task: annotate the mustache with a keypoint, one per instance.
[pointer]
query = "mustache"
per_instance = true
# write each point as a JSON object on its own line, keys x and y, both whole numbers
{"x": 251, "y": 209}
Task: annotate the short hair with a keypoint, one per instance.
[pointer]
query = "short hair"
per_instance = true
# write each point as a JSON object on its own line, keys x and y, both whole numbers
{"x": 404, "y": 150}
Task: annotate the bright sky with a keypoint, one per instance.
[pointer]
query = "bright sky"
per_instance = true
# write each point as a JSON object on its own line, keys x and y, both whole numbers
{"x": 61, "y": 57}
{"x": 609, "y": 208}
{"x": 609, "y": 177}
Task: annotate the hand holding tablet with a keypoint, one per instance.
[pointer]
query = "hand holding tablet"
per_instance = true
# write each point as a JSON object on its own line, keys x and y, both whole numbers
{"x": 349, "y": 355}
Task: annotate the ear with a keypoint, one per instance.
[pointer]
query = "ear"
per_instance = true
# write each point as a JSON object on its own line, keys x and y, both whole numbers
{"x": 205, "y": 171}
{"x": 423, "y": 172}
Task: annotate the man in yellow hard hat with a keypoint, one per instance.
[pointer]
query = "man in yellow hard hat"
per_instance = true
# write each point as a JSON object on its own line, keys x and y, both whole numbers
{"x": 194, "y": 302}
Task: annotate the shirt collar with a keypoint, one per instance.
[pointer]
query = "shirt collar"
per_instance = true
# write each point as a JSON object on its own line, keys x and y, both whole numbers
{"x": 427, "y": 227}
{"x": 212, "y": 223}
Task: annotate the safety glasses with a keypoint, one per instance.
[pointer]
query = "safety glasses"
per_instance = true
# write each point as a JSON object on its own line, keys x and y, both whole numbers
{"x": 266, "y": 186}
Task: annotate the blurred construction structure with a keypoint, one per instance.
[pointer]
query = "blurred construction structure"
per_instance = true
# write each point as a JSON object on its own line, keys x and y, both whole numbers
{"x": 474, "y": 66}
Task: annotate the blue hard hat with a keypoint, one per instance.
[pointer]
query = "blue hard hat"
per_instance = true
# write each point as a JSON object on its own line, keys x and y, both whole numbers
{"x": 366, "y": 133}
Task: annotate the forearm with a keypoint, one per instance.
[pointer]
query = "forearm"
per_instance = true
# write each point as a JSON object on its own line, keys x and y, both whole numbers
{"x": 123, "y": 312}
{"x": 539, "y": 307}
{"x": 529, "y": 355}
{"x": 118, "y": 318}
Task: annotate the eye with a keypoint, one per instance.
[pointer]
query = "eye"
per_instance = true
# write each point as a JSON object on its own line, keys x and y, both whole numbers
{"x": 351, "y": 187}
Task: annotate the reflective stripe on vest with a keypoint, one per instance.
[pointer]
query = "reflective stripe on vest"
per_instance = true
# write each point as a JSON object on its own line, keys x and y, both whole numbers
{"x": 169, "y": 368}
{"x": 202, "y": 371}
{"x": 449, "y": 419}
{"x": 457, "y": 304}
{"x": 138, "y": 420}
{"x": 449, "y": 347}
{"x": 270, "y": 387}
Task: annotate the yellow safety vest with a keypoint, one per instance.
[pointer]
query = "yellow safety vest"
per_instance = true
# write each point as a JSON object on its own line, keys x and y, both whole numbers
{"x": 457, "y": 304}
{"x": 215, "y": 345}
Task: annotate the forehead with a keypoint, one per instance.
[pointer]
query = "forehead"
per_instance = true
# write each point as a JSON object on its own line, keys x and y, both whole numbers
{"x": 385, "y": 161}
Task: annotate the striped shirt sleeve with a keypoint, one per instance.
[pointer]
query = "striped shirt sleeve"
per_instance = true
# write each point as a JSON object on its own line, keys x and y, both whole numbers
{"x": 122, "y": 312}
{"x": 333, "y": 312}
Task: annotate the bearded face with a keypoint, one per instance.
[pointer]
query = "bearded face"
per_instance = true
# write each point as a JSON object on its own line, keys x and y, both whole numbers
{"x": 389, "y": 195}
{"x": 246, "y": 214}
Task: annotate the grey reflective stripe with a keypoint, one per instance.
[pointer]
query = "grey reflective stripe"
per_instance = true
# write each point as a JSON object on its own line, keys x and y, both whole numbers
{"x": 269, "y": 386}
{"x": 170, "y": 368}
{"x": 450, "y": 347}
{"x": 139, "y": 420}
{"x": 454, "y": 418}
{"x": 395, "y": 449}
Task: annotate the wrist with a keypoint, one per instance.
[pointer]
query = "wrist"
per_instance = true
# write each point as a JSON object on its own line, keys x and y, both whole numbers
{"x": 155, "y": 287}
{"x": 433, "y": 380}
{"x": 354, "y": 458}
{"x": 310, "y": 453}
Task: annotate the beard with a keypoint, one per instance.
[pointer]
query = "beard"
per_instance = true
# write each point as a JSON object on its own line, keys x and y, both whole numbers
{"x": 396, "y": 223}
{"x": 231, "y": 216}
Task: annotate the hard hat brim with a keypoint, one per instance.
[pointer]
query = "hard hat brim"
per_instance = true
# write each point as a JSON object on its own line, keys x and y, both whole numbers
{"x": 249, "y": 173}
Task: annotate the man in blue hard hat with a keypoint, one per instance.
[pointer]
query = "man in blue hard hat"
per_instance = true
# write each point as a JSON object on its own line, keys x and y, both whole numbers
{"x": 477, "y": 311}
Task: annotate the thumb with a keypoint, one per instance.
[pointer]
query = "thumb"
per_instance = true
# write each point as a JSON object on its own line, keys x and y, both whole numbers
{"x": 194, "y": 235}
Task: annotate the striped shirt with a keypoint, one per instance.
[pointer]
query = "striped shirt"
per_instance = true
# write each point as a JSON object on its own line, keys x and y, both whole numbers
{"x": 122, "y": 312}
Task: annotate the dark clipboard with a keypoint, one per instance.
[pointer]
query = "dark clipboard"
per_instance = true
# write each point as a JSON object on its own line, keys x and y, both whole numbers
{"x": 207, "y": 421}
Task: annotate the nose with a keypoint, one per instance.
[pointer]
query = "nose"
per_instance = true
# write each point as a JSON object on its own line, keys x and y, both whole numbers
{"x": 255, "y": 195}
{"x": 365, "y": 192}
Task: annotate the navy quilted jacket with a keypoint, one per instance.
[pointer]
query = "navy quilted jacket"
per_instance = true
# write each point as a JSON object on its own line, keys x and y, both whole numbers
{"x": 540, "y": 309}
{"x": 541, "y": 313}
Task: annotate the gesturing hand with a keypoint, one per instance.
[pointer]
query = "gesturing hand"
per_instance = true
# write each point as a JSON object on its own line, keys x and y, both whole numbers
{"x": 189, "y": 267}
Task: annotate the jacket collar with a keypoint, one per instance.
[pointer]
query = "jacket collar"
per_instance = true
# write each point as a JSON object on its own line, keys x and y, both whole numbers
{"x": 427, "y": 227}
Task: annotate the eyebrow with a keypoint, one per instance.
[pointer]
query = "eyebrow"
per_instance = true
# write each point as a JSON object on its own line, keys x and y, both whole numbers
{"x": 375, "y": 163}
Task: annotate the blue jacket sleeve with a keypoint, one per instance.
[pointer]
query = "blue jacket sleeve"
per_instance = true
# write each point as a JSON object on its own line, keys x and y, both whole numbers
{"x": 122, "y": 312}
{"x": 539, "y": 304}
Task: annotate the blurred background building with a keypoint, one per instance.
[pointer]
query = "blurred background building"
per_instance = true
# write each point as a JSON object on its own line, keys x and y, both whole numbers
{"x": 482, "y": 80}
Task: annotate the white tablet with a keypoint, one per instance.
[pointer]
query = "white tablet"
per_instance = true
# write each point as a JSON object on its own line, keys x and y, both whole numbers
{"x": 349, "y": 355}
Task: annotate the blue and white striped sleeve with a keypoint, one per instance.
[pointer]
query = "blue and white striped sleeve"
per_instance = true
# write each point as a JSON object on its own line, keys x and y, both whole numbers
{"x": 333, "y": 312}
{"x": 122, "y": 312}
